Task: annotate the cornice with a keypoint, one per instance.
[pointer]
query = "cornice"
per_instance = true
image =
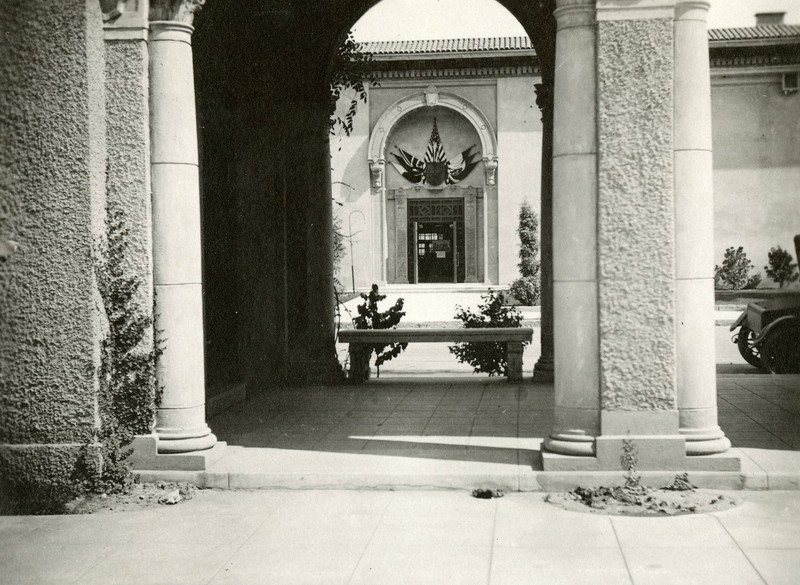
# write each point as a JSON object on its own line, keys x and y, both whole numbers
{"x": 463, "y": 73}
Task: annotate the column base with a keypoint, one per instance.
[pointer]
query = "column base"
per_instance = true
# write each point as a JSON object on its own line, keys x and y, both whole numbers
{"x": 147, "y": 454}
{"x": 185, "y": 445}
{"x": 544, "y": 371}
{"x": 567, "y": 444}
{"x": 180, "y": 430}
{"x": 653, "y": 453}
{"x": 705, "y": 441}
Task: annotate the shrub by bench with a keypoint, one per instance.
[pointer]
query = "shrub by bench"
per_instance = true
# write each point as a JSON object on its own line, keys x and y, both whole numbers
{"x": 363, "y": 340}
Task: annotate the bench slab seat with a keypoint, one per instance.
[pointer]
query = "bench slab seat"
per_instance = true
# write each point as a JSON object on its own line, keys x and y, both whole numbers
{"x": 513, "y": 337}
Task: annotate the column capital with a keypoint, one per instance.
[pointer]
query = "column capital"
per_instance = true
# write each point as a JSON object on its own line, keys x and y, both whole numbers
{"x": 572, "y": 13}
{"x": 175, "y": 10}
{"x": 692, "y": 10}
{"x": 635, "y": 9}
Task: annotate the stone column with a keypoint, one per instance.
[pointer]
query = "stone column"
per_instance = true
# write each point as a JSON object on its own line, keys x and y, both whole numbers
{"x": 617, "y": 301}
{"x": 544, "y": 369}
{"x": 694, "y": 234}
{"x": 180, "y": 420}
{"x": 576, "y": 344}
{"x": 321, "y": 363}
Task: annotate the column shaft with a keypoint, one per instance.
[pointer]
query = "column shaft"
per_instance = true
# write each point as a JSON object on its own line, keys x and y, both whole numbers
{"x": 180, "y": 420}
{"x": 576, "y": 344}
{"x": 694, "y": 224}
{"x": 544, "y": 369}
{"x": 321, "y": 363}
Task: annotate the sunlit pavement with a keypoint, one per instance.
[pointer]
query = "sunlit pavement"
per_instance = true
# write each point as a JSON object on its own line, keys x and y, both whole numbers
{"x": 428, "y": 421}
{"x": 390, "y": 441}
{"x": 407, "y": 537}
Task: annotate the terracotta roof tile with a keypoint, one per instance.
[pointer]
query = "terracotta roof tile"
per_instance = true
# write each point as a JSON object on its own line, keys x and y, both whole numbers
{"x": 769, "y": 31}
{"x": 448, "y": 45}
{"x": 772, "y": 31}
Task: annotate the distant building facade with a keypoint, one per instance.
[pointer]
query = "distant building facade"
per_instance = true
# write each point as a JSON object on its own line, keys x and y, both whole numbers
{"x": 410, "y": 225}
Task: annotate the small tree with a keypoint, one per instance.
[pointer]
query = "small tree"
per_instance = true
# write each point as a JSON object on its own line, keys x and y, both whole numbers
{"x": 527, "y": 288}
{"x": 781, "y": 269}
{"x": 370, "y": 317}
{"x": 734, "y": 274}
{"x": 486, "y": 356}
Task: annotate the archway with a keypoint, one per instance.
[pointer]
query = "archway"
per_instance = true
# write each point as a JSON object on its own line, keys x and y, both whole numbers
{"x": 273, "y": 185}
{"x": 599, "y": 134}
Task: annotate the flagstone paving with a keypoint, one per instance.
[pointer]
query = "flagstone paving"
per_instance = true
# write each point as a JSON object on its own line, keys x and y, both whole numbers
{"x": 409, "y": 537}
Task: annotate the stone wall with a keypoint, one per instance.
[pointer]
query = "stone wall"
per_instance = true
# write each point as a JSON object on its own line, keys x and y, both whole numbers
{"x": 52, "y": 203}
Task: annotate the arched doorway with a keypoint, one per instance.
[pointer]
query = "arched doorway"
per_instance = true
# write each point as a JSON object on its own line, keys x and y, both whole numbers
{"x": 434, "y": 229}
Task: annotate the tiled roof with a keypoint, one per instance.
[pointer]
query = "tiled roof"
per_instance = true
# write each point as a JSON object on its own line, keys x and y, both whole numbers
{"x": 448, "y": 45}
{"x": 768, "y": 31}
{"x": 751, "y": 33}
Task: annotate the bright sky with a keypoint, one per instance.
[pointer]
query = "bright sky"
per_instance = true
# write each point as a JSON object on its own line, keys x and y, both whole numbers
{"x": 446, "y": 19}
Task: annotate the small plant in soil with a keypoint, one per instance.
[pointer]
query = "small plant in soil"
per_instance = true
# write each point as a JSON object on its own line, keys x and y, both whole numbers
{"x": 634, "y": 498}
{"x": 370, "y": 317}
{"x": 486, "y": 356}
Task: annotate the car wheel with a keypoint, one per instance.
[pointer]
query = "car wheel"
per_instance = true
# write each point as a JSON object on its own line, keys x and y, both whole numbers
{"x": 750, "y": 353}
{"x": 780, "y": 352}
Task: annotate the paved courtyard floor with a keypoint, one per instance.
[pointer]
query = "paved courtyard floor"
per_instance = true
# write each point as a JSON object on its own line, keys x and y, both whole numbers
{"x": 429, "y": 425}
{"x": 281, "y": 537}
{"x": 428, "y": 421}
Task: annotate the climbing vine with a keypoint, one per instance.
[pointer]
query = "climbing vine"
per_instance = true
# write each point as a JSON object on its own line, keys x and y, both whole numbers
{"x": 128, "y": 390}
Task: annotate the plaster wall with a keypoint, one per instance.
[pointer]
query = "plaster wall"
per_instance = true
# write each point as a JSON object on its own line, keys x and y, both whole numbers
{"x": 52, "y": 202}
{"x": 128, "y": 131}
{"x": 519, "y": 145}
{"x": 756, "y": 138}
{"x": 356, "y": 205}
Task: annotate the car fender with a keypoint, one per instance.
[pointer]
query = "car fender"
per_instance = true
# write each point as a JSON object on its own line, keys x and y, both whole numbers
{"x": 768, "y": 328}
{"x": 742, "y": 320}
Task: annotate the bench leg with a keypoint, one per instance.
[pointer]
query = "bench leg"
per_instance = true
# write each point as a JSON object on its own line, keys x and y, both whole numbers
{"x": 514, "y": 361}
{"x": 359, "y": 362}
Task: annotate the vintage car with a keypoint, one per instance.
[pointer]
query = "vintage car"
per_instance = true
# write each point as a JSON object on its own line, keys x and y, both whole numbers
{"x": 769, "y": 332}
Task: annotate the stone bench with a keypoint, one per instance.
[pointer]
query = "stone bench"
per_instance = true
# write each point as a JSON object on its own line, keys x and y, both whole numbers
{"x": 362, "y": 339}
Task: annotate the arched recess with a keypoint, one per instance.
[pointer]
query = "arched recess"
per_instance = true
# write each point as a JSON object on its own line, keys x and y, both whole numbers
{"x": 429, "y": 98}
{"x": 476, "y": 248}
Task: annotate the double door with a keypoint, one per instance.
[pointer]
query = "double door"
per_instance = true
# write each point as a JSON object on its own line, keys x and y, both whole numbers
{"x": 436, "y": 242}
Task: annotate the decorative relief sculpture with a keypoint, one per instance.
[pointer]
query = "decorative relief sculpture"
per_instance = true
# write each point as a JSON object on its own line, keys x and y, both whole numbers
{"x": 376, "y": 170}
{"x": 175, "y": 10}
{"x": 490, "y": 165}
{"x": 111, "y": 9}
{"x": 431, "y": 96}
{"x": 434, "y": 169}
